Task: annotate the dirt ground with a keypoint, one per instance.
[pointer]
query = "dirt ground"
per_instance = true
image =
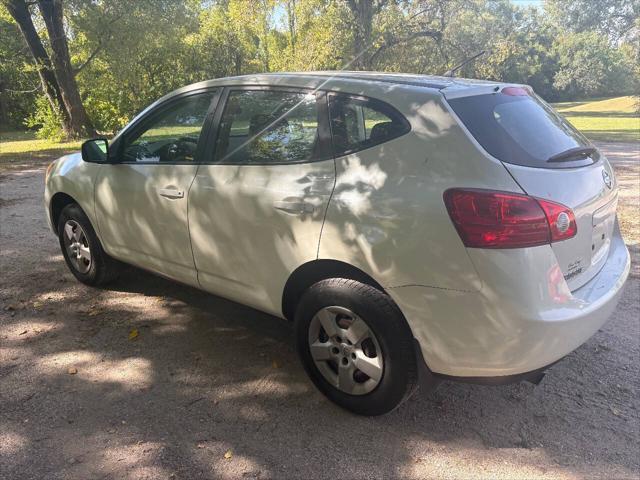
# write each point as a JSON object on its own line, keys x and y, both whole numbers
{"x": 210, "y": 388}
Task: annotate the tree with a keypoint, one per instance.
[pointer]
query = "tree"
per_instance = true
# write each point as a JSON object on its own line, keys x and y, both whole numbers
{"x": 589, "y": 65}
{"x": 79, "y": 123}
{"x": 22, "y": 16}
{"x": 292, "y": 23}
{"x": 114, "y": 57}
{"x": 19, "y": 83}
{"x": 56, "y": 73}
{"x": 312, "y": 35}
{"x": 363, "y": 13}
{"x": 402, "y": 23}
{"x": 617, "y": 19}
{"x": 135, "y": 52}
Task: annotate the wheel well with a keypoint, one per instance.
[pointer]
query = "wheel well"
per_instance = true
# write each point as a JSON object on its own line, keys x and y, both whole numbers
{"x": 58, "y": 202}
{"x": 312, "y": 272}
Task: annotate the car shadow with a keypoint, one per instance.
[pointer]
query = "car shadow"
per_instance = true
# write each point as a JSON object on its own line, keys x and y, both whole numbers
{"x": 205, "y": 376}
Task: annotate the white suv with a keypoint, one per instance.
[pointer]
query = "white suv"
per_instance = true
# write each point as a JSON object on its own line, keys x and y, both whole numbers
{"x": 401, "y": 221}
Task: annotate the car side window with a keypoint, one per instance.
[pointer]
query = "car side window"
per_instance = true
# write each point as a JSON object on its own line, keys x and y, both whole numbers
{"x": 358, "y": 123}
{"x": 171, "y": 136}
{"x": 260, "y": 127}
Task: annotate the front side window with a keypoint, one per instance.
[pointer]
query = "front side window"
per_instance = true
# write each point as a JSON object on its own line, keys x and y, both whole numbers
{"x": 170, "y": 136}
{"x": 268, "y": 127}
{"x": 358, "y": 123}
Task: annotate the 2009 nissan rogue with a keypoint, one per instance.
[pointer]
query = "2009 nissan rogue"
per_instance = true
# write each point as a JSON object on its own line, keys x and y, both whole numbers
{"x": 399, "y": 220}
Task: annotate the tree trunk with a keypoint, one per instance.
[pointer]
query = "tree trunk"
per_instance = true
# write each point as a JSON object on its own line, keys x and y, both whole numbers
{"x": 363, "y": 12}
{"x": 80, "y": 125}
{"x": 293, "y": 24}
{"x": 21, "y": 14}
{"x": 265, "y": 35}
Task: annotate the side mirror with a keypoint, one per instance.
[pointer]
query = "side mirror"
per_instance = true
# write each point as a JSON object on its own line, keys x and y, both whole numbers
{"x": 95, "y": 150}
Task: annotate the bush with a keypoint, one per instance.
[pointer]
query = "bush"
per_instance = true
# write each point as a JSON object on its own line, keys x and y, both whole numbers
{"x": 105, "y": 115}
{"x": 45, "y": 120}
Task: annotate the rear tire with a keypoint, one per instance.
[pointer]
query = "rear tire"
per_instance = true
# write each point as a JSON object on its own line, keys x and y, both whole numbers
{"x": 82, "y": 250}
{"x": 342, "y": 325}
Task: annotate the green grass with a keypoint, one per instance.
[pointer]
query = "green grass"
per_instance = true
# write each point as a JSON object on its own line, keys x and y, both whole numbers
{"x": 18, "y": 148}
{"x": 613, "y": 119}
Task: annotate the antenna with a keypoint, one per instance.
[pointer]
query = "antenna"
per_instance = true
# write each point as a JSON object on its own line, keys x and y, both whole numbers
{"x": 449, "y": 73}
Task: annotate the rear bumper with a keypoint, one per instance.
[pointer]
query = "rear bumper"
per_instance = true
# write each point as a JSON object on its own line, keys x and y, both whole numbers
{"x": 524, "y": 320}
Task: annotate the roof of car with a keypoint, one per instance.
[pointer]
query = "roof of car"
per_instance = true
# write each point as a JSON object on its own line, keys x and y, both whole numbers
{"x": 431, "y": 81}
{"x": 319, "y": 77}
{"x": 401, "y": 78}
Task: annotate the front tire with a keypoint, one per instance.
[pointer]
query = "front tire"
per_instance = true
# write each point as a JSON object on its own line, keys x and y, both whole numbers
{"x": 82, "y": 250}
{"x": 356, "y": 346}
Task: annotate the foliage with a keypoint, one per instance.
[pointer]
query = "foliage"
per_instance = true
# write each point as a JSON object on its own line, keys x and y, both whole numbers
{"x": 615, "y": 19}
{"x": 128, "y": 54}
{"x": 18, "y": 81}
{"x": 589, "y": 65}
{"x": 45, "y": 120}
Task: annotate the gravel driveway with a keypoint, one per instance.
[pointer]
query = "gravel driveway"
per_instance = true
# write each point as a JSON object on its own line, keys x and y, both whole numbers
{"x": 209, "y": 388}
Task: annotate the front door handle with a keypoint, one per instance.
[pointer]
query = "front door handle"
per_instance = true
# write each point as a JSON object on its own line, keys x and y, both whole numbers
{"x": 295, "y": 207}
{"x": 171, "y": 193}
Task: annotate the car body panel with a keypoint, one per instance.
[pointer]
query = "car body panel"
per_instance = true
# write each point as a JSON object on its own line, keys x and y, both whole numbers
{"x": 141, "y": 226}
{"x": 387, "y": 216}
{"x": 246, "y": 234}
{"x": 74, "y": 177}
{"x": 525, "y": 320}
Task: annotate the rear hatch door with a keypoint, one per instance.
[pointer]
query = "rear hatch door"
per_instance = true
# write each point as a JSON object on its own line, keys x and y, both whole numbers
{"x": 551, "y": 160}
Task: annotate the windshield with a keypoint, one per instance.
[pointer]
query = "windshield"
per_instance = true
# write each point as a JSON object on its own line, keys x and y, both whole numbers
{"x": 520, "y": 128}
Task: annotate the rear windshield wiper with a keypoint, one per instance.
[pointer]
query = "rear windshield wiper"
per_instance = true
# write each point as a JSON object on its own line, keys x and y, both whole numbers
{"x": 572, "y": 153}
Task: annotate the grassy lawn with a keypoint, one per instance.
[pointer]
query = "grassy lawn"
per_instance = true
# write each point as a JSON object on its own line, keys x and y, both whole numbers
{"x": 613, "y": 119}
{"x": 19, "y": 148}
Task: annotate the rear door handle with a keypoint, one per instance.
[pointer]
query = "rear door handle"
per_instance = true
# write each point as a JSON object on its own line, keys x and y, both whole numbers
{"x": 171, "y": 193}
{"x": 296, "y": 207}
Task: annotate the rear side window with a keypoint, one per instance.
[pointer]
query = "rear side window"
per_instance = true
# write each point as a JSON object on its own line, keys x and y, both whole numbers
{"x": 268, "y": 127}
{"x": 519, "y": 128}
{"x": 358, "y": 123}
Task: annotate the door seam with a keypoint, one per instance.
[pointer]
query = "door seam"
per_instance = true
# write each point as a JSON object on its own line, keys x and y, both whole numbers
{"x": 326, "y": 210}
{"x": 193, "y": 257}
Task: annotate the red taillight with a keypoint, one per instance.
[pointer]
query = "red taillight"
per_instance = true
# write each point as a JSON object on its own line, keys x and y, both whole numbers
{"x": 488, "y": 219}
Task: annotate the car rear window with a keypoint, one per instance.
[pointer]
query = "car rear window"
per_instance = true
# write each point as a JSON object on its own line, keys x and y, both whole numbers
{"x": 520, "y": 128}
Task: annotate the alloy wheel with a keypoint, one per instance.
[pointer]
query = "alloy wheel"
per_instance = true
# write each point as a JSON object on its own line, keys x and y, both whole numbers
{"x": 77, "y": 246}
{"x": 345, "y": 350}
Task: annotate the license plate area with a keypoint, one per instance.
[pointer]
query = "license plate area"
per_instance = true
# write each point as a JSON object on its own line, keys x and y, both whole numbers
{"x": 603, "y": 222}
